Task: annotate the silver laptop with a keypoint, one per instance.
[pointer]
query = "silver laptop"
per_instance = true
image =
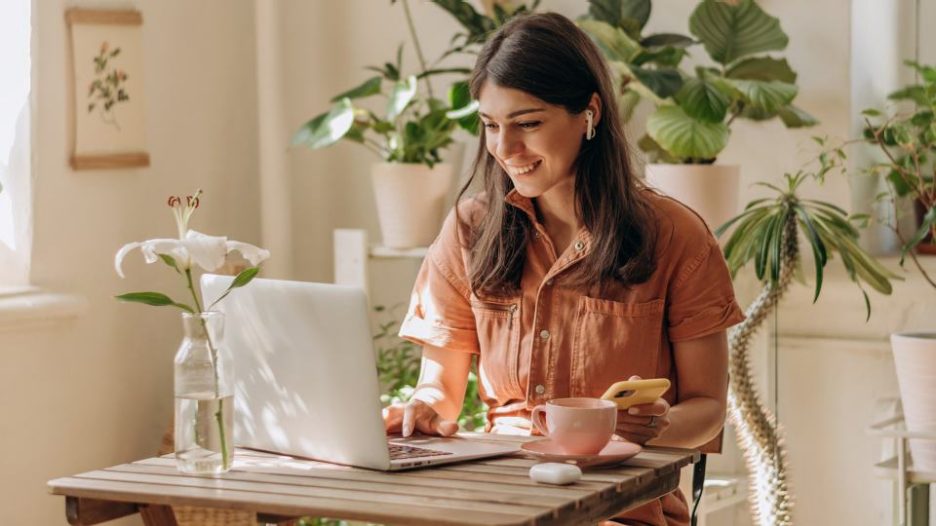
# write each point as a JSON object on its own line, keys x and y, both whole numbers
{"x": 306, "y": 378}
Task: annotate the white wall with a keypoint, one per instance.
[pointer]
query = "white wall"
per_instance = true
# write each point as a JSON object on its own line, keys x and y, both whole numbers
{"x": 97, "y": 391}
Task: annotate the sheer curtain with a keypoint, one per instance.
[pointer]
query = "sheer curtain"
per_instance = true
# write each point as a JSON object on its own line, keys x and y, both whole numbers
{"x": 15, "y": 20}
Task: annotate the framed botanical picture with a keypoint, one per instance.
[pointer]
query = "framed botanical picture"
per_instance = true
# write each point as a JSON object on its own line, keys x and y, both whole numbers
{"x": 107, "y": 64}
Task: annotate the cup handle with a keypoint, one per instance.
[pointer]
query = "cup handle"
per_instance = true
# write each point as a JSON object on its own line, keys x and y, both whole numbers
{"x": 538, "y": 417}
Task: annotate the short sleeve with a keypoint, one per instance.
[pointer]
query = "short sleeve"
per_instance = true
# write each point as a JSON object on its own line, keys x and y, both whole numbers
{"x": 702, "y": 299}
{"x": 440, "y": 313}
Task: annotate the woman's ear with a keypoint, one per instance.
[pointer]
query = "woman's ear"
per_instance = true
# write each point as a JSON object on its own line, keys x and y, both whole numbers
{"x": 595, "y": 106}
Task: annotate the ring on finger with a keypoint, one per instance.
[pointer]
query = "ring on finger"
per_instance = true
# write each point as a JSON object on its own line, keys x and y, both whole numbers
{"x": 652, "y": 422}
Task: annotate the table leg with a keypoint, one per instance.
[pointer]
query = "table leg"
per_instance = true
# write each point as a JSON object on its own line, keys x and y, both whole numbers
{"x": 154, "y": 515}
{"x": 85, "y": 512}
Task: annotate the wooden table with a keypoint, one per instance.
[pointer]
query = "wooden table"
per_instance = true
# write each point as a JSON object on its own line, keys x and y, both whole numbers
{"x": 496, "y": 491}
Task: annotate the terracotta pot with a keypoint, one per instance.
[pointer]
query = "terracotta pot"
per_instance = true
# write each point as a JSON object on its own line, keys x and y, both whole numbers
{"x": 915, "y": 361}
{"x": 410, "y": 202}
{"x": 709, "y": 189}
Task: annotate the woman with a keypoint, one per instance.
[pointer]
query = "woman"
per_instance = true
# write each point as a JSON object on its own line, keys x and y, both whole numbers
{"x": 565, "y": 275}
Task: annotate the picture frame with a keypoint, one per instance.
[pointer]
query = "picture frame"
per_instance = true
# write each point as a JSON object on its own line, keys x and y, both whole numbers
{"x": 107, "y": 117}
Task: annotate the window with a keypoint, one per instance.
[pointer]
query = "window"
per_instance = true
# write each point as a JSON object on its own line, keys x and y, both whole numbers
{"x": 15, "y": 72}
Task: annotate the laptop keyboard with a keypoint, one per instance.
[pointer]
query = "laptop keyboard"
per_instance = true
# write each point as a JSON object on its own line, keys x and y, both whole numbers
{"x": 400, "y": 452}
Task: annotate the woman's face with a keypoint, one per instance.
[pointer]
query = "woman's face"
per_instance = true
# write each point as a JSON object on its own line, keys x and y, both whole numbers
{"x": 536, "y": 143}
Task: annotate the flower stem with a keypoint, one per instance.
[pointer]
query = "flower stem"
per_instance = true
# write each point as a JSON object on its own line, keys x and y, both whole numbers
{"x": 419, "y": 53}
{"x": 219, "y": 414}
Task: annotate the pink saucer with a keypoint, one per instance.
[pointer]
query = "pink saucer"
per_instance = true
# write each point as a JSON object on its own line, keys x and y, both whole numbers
{"x": 616, "y": 451}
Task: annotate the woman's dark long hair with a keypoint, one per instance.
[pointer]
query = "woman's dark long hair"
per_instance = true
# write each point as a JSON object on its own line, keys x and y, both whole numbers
{"x": 547, "y": 56}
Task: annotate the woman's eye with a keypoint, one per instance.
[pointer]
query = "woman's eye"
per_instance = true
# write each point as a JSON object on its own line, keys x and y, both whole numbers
{"x": 529, "y": 125}
{"x": 490, "y": 125}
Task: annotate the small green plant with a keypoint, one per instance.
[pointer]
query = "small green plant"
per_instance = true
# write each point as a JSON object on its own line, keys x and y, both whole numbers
{"x": 398, "y": 363}
{"x": 414, "y": 128}
{"x": 694, "y": 112}
{"x": 907, "y": 141}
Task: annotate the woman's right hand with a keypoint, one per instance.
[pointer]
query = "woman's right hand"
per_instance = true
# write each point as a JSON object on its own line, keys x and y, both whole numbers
{"x": 416, "y": 415}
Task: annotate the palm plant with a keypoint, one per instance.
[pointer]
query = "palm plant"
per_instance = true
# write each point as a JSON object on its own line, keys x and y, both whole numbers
{"x": 767, "y": 232}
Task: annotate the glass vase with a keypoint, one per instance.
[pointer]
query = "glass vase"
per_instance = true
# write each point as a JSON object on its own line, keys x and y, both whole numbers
{"x": 204, "y": 397}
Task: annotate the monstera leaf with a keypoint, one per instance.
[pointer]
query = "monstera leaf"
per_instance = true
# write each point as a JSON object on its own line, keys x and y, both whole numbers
{"x": 730, "y": 32}
{"x": 685, "y": 137}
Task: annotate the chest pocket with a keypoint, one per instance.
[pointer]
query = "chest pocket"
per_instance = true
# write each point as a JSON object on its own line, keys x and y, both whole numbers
{"x": 498, "y": 324}
{"x": 613, "y": 341}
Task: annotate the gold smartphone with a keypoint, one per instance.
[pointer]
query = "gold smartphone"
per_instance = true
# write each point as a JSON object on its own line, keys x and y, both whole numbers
{"x": 636, "y": 392}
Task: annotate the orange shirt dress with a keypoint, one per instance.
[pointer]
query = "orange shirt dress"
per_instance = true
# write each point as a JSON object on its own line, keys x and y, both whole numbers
{"x": 553, "y": 340}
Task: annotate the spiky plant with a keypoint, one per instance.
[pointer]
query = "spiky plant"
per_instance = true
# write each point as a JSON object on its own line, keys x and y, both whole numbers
{"x": 767, "y": 233}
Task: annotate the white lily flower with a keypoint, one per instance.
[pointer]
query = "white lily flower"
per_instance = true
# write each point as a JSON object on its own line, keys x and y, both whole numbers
{"x": 207, "y": 252}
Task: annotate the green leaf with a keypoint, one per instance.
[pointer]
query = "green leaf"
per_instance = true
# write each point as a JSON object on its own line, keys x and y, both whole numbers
{"x": 794, "y": 117}
{"x": 169, "y": 260}
{"x": 730, "y": 32}
{"x": 818, "y": 248}
{"x": 613, "y": 41}
{"x": 632, "y": 14}
{"x": 926, "y": 226}
{"x": 402, "y": 94}
{"x": 156, "y": 299}
{"x": 916, "y": 93}
{"x": 477, "y": 25}
{"x": 369, "y": 87}
{"x": 661, "y": 57}
{"x": 245, "y": 277}
{"x": 665, "y": 82}
{"x": 667, "y": 40}
{"x": 327, "y": 128}
{"x": 465, "y": 110}
{"x": 627, "y": 102}
{"x": 685, "y": 137}
{"x": 766, "y": 96}
{"x": 927, "y": 72}
{"x": 762, "y": 68}
{"x": 655, "y": 153}
{"x": 703, "y": 100}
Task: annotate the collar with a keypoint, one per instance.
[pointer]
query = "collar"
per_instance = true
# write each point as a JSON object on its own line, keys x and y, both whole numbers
{"x": 582, "y": 242}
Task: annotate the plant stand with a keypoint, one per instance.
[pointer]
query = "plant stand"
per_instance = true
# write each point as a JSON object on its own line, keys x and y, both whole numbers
{"x": 912, "y": 486}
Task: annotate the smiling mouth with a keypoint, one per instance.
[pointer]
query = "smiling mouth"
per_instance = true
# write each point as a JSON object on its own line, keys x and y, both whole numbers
{"x": 525, "y": 169}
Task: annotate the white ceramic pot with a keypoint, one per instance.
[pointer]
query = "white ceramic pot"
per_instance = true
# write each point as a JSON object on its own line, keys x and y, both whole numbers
{"x": 915, "y": 361}
{"x": 709, "y": 189}
{"x": 410, "y": 201}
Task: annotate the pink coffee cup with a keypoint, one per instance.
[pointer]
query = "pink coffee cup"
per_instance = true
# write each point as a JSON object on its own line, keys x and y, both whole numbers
{"x": 580, "y": 426}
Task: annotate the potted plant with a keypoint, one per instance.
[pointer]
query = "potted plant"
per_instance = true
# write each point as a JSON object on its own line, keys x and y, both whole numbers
{"x": 412, "y": 182}
{"x": 691, "y": 122}
{"x": 907, "y": 143}
{"x": 766, "y": 234}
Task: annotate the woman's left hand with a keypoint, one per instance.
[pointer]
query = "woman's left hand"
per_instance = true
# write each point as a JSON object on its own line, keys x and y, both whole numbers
{"x": 644, "y": 422}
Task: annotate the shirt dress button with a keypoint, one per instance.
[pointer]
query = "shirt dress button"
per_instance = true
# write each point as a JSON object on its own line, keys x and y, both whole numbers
{"x": 579, "y": 245}
{"x": 544, "y": 334}
{"x": 540, "y": 389}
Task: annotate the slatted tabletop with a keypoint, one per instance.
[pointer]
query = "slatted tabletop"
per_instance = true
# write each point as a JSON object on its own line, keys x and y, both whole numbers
{"x": 495, "y": 491}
